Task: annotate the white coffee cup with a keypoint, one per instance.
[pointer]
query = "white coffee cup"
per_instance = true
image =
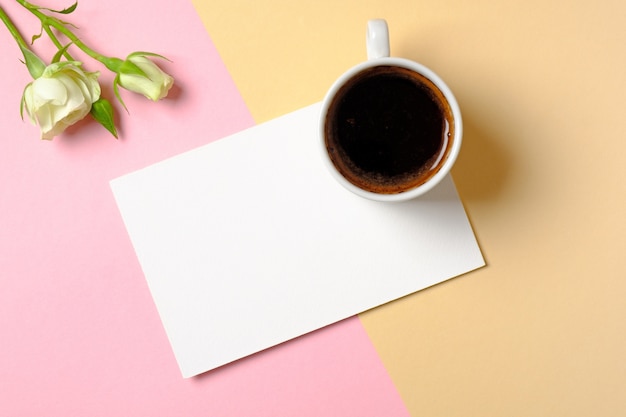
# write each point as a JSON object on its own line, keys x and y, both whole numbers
{"x": 377, "y": 42}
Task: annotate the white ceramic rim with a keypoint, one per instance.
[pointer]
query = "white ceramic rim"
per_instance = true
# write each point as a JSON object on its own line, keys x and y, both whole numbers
{"x": 454, "y": 107}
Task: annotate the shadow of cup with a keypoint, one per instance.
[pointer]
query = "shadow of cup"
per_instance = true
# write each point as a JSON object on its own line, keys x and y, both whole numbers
{"x": 483, "y": 166}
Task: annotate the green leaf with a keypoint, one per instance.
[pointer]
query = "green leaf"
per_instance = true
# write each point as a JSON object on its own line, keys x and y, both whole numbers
{"x": 102, "y": 112}
{"x": 116, "y": 90}
{"x": 67, "y": 10}
{"x": 34, "y": 64}
{"x": 64, "y": 23}
{"x": 60, "y": 52}
{"x": 152, "y": 54}
{"x": 130, "y": 68}
{"x": 22, "y": 102}
{"x": 23, "y": 105}
{"x": 37, "y": 36}
{"x": 113, "y": 64}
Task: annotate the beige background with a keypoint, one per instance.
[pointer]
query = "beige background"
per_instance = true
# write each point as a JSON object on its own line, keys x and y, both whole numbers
{"x": 541, "y": 331}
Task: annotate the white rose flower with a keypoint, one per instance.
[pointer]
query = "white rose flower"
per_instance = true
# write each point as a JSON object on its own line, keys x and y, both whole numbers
{"x": 60, "y": 97}
{"x": 155, "y": 84}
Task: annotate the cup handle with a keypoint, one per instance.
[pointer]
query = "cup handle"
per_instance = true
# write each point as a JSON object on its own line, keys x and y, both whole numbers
{"x": 377, "y": 40}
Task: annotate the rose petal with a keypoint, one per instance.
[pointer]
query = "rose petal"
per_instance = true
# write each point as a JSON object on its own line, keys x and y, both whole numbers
{"x": 48, "y": 90}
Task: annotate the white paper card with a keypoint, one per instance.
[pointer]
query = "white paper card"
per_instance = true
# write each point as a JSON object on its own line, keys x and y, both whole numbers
{"x": 248, "y": 242}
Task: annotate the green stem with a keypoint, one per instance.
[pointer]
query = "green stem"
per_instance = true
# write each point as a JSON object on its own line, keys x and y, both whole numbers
{"x": 48, "y": 21}
{"x": 13, "y": 30}
{"x": 56, "y": 42}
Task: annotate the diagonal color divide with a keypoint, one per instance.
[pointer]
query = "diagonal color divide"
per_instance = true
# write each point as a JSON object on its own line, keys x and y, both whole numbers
{"x": 80, "y": 333}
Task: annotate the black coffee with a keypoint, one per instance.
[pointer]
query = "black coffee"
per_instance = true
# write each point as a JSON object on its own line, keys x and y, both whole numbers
{"x": 388, "y": 129}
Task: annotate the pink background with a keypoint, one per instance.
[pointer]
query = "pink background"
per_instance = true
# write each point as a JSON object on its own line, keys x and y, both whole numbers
{"x": 79, "y": 333}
